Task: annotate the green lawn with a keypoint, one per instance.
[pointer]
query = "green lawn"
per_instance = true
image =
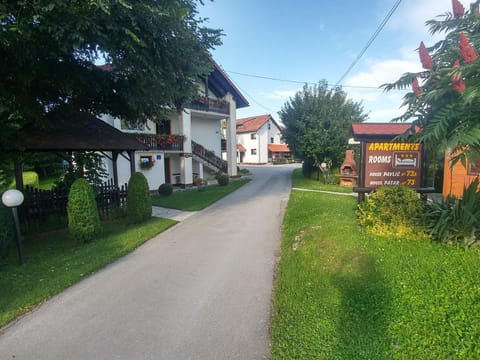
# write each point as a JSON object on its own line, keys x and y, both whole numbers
{"x": 197, "y": 199}
{"x": 303, "y": 183}
{"x": 340, "y": 294}
{"x": 54, "y": 262}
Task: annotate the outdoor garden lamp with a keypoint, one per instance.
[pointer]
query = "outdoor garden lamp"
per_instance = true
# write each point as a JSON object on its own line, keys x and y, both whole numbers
{"x": 13, "y": 198}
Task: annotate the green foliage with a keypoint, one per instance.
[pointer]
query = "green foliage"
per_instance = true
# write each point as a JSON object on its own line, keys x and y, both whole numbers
{"x": 155, "y": 50}
{"x": 391, "y": 211}
{"x": 317, "y": 123}
{"x": 455, "y": 220}
{"x": 446, "y": 117}
{"x": 7, "y": 231}
{"x": 139, "y": 202}
{"x": 280, "y": 161}
{"x": 165, "y": 189}
{"x": 83, "y": 218}
{"x": 223, "y": 179}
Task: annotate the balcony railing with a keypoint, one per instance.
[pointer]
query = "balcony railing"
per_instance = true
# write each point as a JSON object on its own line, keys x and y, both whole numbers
{"x": 210, "y": 105}
{"x": 162, "y": 142}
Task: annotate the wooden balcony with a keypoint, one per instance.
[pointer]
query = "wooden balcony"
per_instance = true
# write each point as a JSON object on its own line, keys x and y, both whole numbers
{"x": 210, "y": 105}
{"x": 162, "y": 141}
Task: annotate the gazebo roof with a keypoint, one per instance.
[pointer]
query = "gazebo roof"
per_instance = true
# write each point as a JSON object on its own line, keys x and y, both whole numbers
{"x": 76, "y": 132}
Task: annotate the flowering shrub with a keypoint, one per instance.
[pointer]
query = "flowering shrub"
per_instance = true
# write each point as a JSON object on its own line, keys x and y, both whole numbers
{"x": 391, "y": 211}
{"x": 168, "y": 140}
{"x": 445, "y": 106}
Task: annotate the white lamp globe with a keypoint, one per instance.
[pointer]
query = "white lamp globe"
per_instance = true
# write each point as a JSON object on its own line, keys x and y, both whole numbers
{"x": 12, "y": 198}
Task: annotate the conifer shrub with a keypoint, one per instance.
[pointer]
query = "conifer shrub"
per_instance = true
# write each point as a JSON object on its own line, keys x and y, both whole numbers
{"x": 165, "y": 189}
{"x": 7, "y": 231}
{"x": 392, "y": 211}
{"x": 223, "y": 179}
{"x": 139, "y": 202}
{"x": 83, "y": 217}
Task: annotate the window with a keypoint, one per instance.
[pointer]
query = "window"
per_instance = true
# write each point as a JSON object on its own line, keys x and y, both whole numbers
{"x": 269, "y": 126}
{"x": 253, "y": 136}
{"x": 474, "y": 165}
{"x": 253, "y": 151}
{"x": 272, "y": 140}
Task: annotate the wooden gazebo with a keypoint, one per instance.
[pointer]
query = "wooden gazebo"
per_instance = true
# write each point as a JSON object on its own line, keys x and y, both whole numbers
{"x": 76, "y": 132}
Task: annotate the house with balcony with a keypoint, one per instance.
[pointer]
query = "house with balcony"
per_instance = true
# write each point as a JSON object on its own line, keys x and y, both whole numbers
{"x": 188, "y": 144}
{"x": 259, "y": 140}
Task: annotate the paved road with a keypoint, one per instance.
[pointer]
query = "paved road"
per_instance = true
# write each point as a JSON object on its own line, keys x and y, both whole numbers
{"x": 200, "y": 290}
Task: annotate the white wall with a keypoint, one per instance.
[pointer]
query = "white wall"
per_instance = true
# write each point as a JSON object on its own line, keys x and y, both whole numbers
{"x": 155, "y": 175}
{"x": 207, "y": 133}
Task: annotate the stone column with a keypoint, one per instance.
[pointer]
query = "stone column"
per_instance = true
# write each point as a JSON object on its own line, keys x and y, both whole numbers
{"x": 232, "y": 136}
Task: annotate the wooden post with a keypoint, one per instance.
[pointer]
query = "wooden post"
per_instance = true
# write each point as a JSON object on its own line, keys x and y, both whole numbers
{"x": 131, "y": 153}
{"x": 114, "y": 167}
{"x": 18, "y": 166}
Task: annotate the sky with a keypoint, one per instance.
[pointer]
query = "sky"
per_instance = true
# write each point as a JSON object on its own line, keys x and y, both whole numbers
{"x": 306, "y": 41}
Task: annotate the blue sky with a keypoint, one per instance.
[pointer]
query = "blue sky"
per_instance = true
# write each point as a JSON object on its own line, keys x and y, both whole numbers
{"x": 311, "y": 40}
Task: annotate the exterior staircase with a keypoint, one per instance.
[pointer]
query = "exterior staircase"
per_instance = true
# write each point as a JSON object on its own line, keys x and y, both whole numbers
{"x": 208, "y": 158}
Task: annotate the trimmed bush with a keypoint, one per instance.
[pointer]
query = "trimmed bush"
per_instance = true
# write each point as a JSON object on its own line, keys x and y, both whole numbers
{"x": 391, "y": 211}
{"x": 7, "y": 231}
{"x": 223, "y": 179}
{"x": 139, "y": 202}
{"x": 83, "y": 218}
{"x": 165, "y": 189}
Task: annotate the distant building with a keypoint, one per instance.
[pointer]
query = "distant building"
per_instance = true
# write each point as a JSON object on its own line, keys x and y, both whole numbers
{"x": 259, "y": 140}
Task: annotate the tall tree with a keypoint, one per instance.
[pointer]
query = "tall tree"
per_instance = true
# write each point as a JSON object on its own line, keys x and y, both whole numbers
{"x": 445, "y": 98}
{"x": 317, "y": 122}
{"x": 49, "y": 51}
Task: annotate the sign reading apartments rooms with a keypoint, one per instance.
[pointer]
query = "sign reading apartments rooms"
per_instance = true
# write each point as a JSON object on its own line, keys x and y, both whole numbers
{"x": 390, "y": 163}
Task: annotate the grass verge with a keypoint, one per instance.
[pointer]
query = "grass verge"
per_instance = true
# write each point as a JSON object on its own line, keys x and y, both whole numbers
{"x": 300, "y": 182}
{"x": 197, "y": 199}
{"x": 340, "y": 294}
{"x": 54, "y": 262}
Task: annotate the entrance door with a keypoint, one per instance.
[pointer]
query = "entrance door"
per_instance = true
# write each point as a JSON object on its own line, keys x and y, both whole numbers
{"x": 167, "y": 170}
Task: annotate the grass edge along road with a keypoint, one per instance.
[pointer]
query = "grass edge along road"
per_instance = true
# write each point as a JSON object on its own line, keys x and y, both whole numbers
{"x": 199, "y": 198}
{"x": 340, "y": 294}
{"x": 55, "y": 262}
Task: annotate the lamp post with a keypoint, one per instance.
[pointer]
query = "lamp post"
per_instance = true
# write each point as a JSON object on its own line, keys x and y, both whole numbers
{"x": 13, "y": 198}
{"x": 324, "y": 168}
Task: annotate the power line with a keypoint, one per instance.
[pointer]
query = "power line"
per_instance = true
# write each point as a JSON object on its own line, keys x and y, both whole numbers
{"x": 298, "y": 81}
{"x": 246, "y": 93}
{"x": 371, "y": 40}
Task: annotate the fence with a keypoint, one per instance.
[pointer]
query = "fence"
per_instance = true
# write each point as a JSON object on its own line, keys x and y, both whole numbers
{"x": 42, "y": 204}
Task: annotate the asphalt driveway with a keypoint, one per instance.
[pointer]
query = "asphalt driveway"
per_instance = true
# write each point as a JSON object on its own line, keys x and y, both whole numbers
{"x": 200, "y": 290}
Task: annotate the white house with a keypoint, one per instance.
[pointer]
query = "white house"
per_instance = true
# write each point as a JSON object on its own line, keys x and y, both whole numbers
{"x": 188, "y": 144}
{"x": 259, "y": 140}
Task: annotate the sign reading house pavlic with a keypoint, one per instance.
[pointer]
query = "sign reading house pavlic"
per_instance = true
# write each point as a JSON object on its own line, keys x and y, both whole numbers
{"x": 393, "y": 163}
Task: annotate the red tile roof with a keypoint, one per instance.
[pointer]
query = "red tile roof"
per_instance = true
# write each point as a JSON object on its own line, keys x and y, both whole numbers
{"x": 252, "y": 124}
{"x": 241, "y": 148}
{"x": 278, "y": 148}
{"x": 361, "y": 131}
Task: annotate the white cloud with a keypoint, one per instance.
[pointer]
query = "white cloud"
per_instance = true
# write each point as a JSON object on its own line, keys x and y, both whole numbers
{"x": 411, "y": 16}
{"x": 283, "y": 95}
{"x": 409, "y": 23}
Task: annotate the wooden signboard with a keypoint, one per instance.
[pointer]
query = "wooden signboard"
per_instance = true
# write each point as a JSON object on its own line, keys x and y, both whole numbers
{"x": 393, "y": 163}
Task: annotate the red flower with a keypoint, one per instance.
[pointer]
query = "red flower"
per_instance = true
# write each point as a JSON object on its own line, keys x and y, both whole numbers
{"x": 457, "y": 83}
{"x": 425, "y": 57}
{"x": 416, "y": 89}
{"x": 458, "y": 9}
{"x": 468, "y": 53}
